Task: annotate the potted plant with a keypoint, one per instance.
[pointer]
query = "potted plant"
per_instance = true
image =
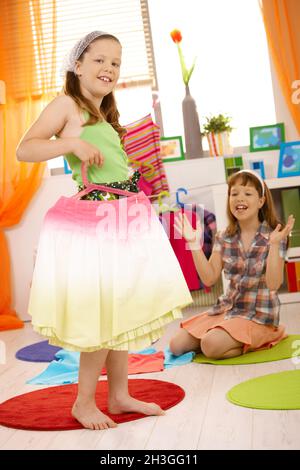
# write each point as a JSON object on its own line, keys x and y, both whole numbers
{"x": 217, "y": 130}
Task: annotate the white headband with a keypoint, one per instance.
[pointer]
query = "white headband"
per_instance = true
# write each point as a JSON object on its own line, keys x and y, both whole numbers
{"x": 76, "y": 51}
{"x": 253, "y": 173}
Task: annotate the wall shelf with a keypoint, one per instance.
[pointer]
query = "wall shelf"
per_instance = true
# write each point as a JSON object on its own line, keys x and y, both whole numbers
{"x": 282, "y": 183}
{"x": 289, "y": 297}
{"x": 293, "y": 253}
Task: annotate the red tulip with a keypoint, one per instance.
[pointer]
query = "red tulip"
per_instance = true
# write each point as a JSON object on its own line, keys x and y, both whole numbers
{"x": 176, "y": 35}
{"x": 186, "y": 73}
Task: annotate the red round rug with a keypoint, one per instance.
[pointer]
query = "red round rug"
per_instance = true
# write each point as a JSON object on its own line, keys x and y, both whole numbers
{"x": 50, "y": 408}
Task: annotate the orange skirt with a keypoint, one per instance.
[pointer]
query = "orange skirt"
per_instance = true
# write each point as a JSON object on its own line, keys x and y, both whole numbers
{"x": 253, "y": 335}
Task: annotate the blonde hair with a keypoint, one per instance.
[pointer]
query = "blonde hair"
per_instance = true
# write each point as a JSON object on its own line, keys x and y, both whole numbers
{"x": 267, "y": 212}
{"x": 108, "y": 106}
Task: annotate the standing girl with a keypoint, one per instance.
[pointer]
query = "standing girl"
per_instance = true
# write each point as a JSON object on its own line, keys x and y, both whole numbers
{"x": 251, "y": 251}
{"x": 97, "y": 292}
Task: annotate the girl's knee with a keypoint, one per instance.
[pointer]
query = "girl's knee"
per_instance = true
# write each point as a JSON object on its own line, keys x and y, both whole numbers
{"x": 210, "y": 347}
{"x": 183, "y": 342}
{"x": 175, "y": 347}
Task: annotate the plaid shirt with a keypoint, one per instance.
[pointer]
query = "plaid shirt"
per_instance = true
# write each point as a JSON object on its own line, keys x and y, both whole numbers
{"x": 247, "y": 295}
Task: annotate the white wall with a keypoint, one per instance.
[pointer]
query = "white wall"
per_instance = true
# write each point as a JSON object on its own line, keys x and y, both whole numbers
{"x": 23, "y": 238}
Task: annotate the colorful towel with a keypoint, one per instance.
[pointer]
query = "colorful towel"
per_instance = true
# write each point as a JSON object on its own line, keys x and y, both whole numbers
{"x": 174, "y": 361}
{"x": 64, "y": 369}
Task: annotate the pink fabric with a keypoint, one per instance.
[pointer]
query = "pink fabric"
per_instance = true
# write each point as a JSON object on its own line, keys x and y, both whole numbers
{"x": 180, "y": 247}
{"x": 144, "y": 186}
{"x": 69, "y": 213}
{"x": 144, "y": 363}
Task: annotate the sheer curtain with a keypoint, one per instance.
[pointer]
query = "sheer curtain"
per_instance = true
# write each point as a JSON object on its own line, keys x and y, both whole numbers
{"x": 23, "y": 50}
{"x": 281, "y": 19}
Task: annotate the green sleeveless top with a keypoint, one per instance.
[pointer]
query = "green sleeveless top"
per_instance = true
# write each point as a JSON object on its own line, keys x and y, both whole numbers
{"x": 115, "y": 166}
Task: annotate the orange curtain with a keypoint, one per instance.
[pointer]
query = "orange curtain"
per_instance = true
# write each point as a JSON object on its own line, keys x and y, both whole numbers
{"x": 281, "y": 19}
{"x": 30, "y": 84}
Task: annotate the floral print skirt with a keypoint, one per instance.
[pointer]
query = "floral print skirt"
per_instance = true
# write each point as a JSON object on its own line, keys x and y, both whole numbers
{"x": 128, "y": 185}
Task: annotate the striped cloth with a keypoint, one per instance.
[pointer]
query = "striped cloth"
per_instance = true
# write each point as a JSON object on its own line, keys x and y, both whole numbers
{"x": 142, "y": 145}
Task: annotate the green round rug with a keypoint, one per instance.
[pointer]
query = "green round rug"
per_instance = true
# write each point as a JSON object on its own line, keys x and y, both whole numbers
{"x": 283, "y": 350}
{"x": 280, "y": 391}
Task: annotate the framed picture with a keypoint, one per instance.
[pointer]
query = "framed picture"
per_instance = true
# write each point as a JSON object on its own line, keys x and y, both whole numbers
{"x": 171, "y": 149}
{"x": 266, "y": 137}
{"x": 259, "y": 167}
{"x": 66, "y": 167}
{"x": 232, "y": 165}
{"x": 289, "y": 159}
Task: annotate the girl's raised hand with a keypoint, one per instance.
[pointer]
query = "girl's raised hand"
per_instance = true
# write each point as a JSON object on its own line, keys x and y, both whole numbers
{"x": 276, "y": 236}
{"x": 87, "y": 152}
{"x": 185, "y": 229}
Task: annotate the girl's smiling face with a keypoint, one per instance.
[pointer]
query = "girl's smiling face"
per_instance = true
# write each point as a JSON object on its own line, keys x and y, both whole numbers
{"x": 99, "y": 69}
{"x": 244, "y": 201}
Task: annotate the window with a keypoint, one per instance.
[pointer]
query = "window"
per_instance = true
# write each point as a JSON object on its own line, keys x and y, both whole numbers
{"x": 232, "y": 74}
{"x": 68, "y": 21}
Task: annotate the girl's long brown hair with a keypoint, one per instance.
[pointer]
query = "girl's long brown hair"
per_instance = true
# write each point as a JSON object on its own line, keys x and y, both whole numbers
{"x": 266, "y": 212}
{"x": 108, "y": 105}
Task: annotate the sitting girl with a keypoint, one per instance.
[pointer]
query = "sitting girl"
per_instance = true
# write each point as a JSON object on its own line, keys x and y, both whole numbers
{"x": 251, "y": 251}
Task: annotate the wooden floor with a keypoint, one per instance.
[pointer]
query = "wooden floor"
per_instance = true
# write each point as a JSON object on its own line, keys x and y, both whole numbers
{"x": 203, "y": 420}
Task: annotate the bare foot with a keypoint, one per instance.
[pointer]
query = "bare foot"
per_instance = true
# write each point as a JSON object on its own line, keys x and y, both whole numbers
{"x": 129, "y": 404}
{"x": 91, "y": 417}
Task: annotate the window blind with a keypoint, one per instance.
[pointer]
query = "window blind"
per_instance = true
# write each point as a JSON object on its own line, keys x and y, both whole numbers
{"x": 61, "y": 23}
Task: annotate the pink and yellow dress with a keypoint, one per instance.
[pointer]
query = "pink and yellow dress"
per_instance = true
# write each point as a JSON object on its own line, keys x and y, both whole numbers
{"x": 105, "y": 282}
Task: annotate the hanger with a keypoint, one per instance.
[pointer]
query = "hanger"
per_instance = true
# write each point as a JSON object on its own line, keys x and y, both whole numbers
{"x": 145, "y": 164}
{"x": 180, "y": 190}
{"x": 164, "y": 207}
{"x": 150, "y": 167}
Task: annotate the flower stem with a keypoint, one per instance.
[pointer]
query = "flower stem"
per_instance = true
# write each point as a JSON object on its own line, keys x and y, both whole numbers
{"x": 183, "y": 66}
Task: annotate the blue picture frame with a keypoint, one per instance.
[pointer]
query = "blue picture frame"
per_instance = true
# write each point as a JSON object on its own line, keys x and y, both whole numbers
{"x": 289, "y": 159}
{"x": 66, "y": 167}
{"x": 259, "y": 167}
